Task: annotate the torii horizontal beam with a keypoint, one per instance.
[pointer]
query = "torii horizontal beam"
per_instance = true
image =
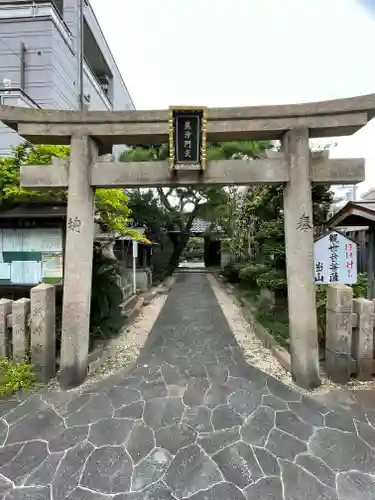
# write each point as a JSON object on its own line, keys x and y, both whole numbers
{"x": 362, "y": 104}
{"x": 223, "y": 172}
{"x": 108, "y": 134}
{"x": 323, "y": 119}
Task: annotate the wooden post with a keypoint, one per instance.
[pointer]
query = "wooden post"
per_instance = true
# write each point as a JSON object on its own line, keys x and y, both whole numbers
{"x": 5, "y": 310}
{"x": 43, "y": 331}
{"x": 364, "y": 337}
{"x": 20, "y": 329}
{"x": 78, "y": 264}
{"x": 339, "y": 333}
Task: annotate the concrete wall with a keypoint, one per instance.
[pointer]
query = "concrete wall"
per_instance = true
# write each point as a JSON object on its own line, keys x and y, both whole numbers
{"x": 121, "y": 99}
{"x": 37, "y": 36}
{"x": 144, "y": 279}
{"x": 52, "y": 76}
{"x": 121, "y": 96}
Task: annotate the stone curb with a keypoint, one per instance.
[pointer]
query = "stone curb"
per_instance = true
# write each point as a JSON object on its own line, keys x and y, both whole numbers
{"x": 103, "y": 352}
{"x": 248, "y": 309}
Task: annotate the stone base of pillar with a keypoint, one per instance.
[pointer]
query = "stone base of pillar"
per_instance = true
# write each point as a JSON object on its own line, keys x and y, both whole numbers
{"x": 305, "y": 374}
{"x": 72, "y": 376}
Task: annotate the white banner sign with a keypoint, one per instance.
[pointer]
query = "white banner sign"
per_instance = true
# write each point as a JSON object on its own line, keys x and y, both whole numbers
{"x": 335, "y": 258}
{"x": 135, "y": 249}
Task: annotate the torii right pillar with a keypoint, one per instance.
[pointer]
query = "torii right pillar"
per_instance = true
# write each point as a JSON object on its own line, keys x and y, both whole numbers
{"x": 299, "y": 245}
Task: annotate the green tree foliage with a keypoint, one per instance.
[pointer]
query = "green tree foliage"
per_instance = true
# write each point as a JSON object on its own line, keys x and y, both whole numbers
{"x": 111, "y": 204}
{"x": 148, "y": 211}
{"x": 176, "y": 208}
{"x": 257, "y": 234}
{"x": 112, "y": 212}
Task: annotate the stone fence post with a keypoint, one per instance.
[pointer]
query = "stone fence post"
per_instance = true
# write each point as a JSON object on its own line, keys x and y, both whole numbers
{"x": 364, "y": 337}
{"x": 43, "y": 331}
{"x": 5, "y": 310}
{"x": 20, "y": 329}
{"x": 339, "y": 332}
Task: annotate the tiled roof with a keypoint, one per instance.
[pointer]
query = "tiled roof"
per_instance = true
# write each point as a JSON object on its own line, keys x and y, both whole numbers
{"x": 200, "y": 226}
{"x": 35, "y": 210}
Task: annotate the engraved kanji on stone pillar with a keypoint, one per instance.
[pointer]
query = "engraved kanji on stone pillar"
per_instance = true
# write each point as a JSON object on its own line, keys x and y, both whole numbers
{"x": 20, "y": 329}
{"x": 339, "y": 331}
{"x": 364, "y": 338}
{"x": 43, "y": 331}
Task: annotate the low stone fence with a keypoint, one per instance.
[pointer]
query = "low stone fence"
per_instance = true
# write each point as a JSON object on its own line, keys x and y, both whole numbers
{"x": 28, "y": 330}
{"x": 349, "y": 342}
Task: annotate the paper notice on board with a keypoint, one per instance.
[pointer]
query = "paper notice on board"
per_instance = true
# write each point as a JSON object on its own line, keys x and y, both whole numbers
{"x": 12, "y": 240}
{"x": 4, "y": 271}
{"x": 26, "y": 273}
{"x": 43, "y": 240}
{"x": 52, "y": 265}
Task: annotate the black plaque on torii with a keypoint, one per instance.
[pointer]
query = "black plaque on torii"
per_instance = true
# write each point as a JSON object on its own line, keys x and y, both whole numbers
{"x": 187, "y": 137}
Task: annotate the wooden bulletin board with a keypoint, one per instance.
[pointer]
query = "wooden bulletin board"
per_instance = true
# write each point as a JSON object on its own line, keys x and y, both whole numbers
{"x": 31, "y": 256}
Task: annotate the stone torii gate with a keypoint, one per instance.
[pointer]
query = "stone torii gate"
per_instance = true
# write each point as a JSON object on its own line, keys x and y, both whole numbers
{"x": 92, "y": 135}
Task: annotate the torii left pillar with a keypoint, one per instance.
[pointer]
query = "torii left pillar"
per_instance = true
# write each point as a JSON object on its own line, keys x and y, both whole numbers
{"x": 80, "y": 231}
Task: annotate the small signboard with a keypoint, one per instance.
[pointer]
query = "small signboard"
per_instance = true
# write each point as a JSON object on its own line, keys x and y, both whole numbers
{"x": 187, "y": 137}
{"x": 135, "y": 249}
{"x": 335, "y": 259}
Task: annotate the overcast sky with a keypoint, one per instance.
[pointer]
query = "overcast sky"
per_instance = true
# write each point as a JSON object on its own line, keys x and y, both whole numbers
{"x": 246, "y": 52}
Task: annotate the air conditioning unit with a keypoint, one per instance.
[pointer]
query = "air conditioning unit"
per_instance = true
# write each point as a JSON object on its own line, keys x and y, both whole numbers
{"x": 7, "y": 84}
{"x": 105, "y": 88}
{"x": 105, "y": 81}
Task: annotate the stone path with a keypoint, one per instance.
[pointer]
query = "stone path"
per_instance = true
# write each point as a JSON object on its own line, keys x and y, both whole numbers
{"x": 192, "y": 421}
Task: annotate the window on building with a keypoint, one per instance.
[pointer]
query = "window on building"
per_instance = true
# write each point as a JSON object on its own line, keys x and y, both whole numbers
{"x": 349, "y": 195}
{"x": 59, "y": 6}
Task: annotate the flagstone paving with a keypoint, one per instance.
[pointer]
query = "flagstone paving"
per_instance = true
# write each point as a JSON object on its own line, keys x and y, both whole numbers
{"x": 193, "y": 420}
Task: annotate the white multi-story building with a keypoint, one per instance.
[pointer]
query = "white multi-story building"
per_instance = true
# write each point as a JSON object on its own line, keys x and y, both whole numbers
{"x": 53, "y": 55}
{"x": 342, "y": 194}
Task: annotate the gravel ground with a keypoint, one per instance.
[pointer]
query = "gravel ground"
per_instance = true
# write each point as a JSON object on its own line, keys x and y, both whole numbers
{"x": 129, "y": 343}
{"x": 259, "y": 356}
{"x": 126, "y": 348}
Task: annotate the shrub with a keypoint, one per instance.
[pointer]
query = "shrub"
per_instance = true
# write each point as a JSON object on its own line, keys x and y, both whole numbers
{"x": 360, "y": 288}
{"x": 15, "y": 376}
{"x": 249, "y": 273}
{"x": 232, "y": 271}
{"x": 107, "y": 319}
{"x": 274, "y": 280}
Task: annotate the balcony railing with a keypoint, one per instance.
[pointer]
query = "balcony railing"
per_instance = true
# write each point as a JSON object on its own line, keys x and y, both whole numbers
{"x": 58, "y": 4}
{"x": 36, "y": 9}
{"x": 97, "y": 86}
{"x": 14, "y": 96}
